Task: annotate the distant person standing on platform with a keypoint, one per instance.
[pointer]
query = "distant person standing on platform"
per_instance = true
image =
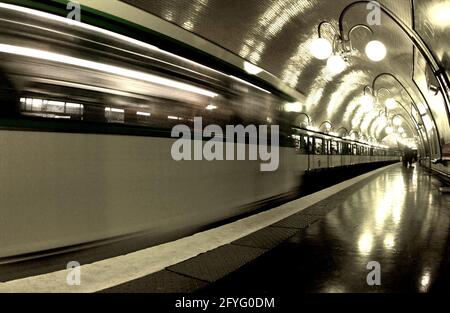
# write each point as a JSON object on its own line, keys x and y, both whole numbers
{"x": 408, "y": 156}
{"x": 405, "y": 157}
{"x": 411, "y": 157}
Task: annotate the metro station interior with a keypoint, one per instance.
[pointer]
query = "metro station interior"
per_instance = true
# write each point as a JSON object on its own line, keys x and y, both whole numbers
{"x": 225, "y": 146}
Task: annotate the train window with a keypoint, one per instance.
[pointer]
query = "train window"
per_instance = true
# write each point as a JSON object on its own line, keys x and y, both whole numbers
{"x": 303, "y": 144}
{"x": 334, "y": 147}
{"x": 300, "y": 143}
{"x": 327, "y": 146}
{"x": 114, "y": 115}
{"x": 50, "y": 108}
{"x": 354, "y": 150}
{"x": 311, "y": 145}
{"x": 143, "y": 117}
{"x": 74, "y": 108}
{"x": 319, "y": 146}
{"x": 344, "y": 148}
{"x": 296, "y": 139}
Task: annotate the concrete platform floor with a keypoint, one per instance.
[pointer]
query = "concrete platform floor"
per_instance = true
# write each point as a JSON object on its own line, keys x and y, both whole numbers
{"x": 398, "y": 218}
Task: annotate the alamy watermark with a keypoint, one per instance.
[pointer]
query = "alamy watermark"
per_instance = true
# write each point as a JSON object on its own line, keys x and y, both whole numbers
{"x": 216, "y": 149}
{"x": 374, "y": 15}
{"x": 73, "y": 277}
{"x": 74, "y": 9}
{"x": 374, "y": 276}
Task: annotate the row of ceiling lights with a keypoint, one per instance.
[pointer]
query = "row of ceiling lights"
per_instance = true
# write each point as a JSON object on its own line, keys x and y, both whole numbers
{"x": 371, "y": 100}
{"x": 337, "y": 53}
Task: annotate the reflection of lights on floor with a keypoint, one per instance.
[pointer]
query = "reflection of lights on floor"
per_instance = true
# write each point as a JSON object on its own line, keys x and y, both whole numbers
{"x": 334, "y": 289}
{"x": 397, "y": 214}
{"x": 382, "y": 212}
{"x": 425, "y": 282}
{"x": 389, "y": 241}
{"x": 365, "y": 243}
{"x": 391, "y": 204}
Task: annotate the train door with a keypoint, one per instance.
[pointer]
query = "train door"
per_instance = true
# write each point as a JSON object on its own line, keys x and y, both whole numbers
{"x": 326, "y": 151}
{"x": 335, "y": 154}
{"x": 330, "y": 153}
{"x": 320, "y": 157}
{"x": 354, "y": 155}
{"x": 303, "y": 152}
{"x": 311, "y": 152}
{"x": 345, "y": 153}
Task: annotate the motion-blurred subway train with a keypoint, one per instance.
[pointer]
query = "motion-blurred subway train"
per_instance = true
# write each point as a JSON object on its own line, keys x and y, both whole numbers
{"x": 86, "y": 119}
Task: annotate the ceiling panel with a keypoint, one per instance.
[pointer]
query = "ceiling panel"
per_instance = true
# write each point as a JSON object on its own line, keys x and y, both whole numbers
{"x": 276, "y": 34}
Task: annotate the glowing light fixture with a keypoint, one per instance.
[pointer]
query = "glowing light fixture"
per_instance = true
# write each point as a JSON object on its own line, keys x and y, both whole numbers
{"x": 147, "y": 114}
{"x": 371, "y": 90}
{"x": 397, "y": 121}
{"x": 440, "y": 14}
{"x": 404, "y": 135}
{"x": 211, "y": 107}
{"x": 321, "y": 48}
{"x": 115, "y": 110}
{"x": 336, "y": 64}
{"x": 390, "y": 103}
{"x": 293, "y": 107}
{"x": 376, "y": 50}
{"x": 251, "y": 68}
{"x": 341, "y": 45}
{"x": 383, "y": 120}
{"x": 401, "y": 130}
{"x": 367, "y": 102}
{"x": 389, "y": 130}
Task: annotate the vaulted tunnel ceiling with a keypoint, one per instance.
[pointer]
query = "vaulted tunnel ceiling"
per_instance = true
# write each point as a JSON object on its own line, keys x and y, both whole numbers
{"x": 276, "y": 35}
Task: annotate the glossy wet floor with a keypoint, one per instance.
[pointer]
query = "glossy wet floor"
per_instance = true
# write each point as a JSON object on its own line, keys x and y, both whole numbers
{"x": 397, "y": 218}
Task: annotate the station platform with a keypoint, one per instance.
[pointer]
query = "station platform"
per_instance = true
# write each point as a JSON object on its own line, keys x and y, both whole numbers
{"x": 319, "y": 243}
{"x": 397, "y": 218}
